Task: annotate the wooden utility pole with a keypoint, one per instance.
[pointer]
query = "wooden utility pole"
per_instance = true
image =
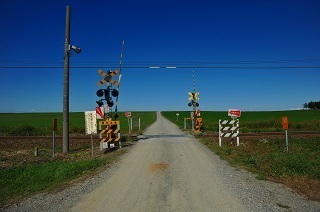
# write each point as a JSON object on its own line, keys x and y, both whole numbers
{"x": 66, "y": 84}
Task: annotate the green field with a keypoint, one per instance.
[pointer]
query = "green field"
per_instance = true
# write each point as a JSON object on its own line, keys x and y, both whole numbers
{"x": 255, "y": 121}
{"x": 35, "y": 124}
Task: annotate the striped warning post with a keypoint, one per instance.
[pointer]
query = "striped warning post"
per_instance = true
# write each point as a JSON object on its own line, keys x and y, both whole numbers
{"x": 110, "y": 134}
{"x": 229, "y": 129}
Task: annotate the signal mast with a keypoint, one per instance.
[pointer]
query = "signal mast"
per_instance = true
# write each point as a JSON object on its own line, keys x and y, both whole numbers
{"x": 195, "y": 115}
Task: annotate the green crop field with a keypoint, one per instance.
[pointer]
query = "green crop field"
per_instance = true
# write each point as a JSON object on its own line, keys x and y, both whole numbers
{"x": 34, "y": 124}
{"x": 255, "y": 121}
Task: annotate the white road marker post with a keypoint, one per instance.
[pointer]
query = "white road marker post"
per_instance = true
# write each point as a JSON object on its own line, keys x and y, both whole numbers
{"x": 285, "y": 126}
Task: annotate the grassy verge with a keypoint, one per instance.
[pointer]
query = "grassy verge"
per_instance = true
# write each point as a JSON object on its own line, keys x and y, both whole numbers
{"x": 299, "y": 168}
{"x": 260, "y": 121}
{"x": 26, "y": 180}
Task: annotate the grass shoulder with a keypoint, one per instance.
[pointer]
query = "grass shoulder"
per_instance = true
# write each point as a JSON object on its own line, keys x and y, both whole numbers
{"x": 298, "y": 169}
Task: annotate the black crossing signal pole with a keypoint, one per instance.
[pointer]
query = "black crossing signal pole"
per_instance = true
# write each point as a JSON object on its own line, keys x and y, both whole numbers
{"x": 67, "y": 52}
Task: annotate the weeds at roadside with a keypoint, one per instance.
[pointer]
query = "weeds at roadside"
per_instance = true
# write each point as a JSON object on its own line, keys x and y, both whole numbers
{"x": 298, "y": 169}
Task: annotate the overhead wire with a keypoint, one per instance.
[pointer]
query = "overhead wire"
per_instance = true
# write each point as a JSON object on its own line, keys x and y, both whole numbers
{"x": 241, "y": 64}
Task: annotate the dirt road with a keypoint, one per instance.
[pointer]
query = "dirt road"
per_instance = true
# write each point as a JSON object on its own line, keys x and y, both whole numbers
{"x": 166, "y": 171}
{"x": 169, "y": 170}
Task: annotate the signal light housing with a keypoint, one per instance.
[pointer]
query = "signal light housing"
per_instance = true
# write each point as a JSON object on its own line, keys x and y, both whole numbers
{"x": 100, "y": 92}
{"x": 100, "y": 103}
{"x": 115, "y": 93}
{"x": 110, "y": 103}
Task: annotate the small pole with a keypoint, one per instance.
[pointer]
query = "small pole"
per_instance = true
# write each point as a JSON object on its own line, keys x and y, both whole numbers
{"x": 54, "y": 135}
{"x": 238, "y": 139}
{"x": 128, "y": 124}
{"x": 220, "y": 132}
{"x": 139, "y": 124}
{"x": 287, "y": 143}
{"x": 285, "y": 126}
{"x": 232, "y": 130}
{"x": 92, "y": 146}
{"x": 53, "y": 140}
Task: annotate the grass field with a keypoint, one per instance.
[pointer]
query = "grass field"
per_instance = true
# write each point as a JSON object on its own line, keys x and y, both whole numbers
{"x": 258, "y": 121}
{"x": 35, "y": 124}
{"x": 23, "y": 174}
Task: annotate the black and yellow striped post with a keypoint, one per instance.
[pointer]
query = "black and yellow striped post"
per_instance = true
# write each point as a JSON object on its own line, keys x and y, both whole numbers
{"x": 109, "y": 134}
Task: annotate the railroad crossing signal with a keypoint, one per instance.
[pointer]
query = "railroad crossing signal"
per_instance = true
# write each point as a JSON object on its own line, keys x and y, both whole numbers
{"x": 107, "y": 77}
{"x": 193, "y": 96}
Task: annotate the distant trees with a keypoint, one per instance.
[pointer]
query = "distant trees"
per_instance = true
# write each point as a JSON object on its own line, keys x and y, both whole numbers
{"x": 312, "y": 105}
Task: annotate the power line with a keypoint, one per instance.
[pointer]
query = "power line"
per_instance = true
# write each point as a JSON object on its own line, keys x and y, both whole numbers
{"x": 164, "y": 67}
{"x": 179, "y": 63}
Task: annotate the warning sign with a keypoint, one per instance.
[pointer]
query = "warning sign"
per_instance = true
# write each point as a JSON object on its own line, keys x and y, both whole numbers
{"x": 100, "y": 112}
{"x": 285, "y": 122}
{"x": 90, "y": 122}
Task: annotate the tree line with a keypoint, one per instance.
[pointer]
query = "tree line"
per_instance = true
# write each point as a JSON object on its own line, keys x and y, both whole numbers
{"x": 312, "y": 105}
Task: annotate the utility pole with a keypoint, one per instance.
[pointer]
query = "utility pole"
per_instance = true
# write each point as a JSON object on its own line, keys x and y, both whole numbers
{"x": 66, "y": 84}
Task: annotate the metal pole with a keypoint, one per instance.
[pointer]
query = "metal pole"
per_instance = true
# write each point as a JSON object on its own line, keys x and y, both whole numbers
{"x": 53, "y": 136}
{"x": 129, "y": 125}
{"x": 92, "y": 146}
{"x": 53, "y": 141}
{"x": 66, "y": 84}
{"x": 287, "y": 144}
{"x": 139, "y": 124}
{"x": 220, "y": 132}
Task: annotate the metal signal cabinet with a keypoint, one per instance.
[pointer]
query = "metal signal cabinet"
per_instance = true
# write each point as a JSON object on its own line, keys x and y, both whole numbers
{"x": 109, "y": 134}
{"x": 198, "y": 124}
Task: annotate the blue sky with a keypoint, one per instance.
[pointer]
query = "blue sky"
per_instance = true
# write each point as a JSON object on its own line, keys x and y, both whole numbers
{"x": 248, "y": 55}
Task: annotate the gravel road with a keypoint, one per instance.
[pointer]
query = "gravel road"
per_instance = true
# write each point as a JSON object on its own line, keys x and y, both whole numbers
{"x": 169, "y": 170}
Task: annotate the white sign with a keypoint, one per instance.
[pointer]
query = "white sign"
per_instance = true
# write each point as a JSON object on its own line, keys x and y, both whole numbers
{"x": 234, "y": 113}
{"x": 100, "y": 112}
{"x": 90, "y": 122}
{"x": 128, "y": 114}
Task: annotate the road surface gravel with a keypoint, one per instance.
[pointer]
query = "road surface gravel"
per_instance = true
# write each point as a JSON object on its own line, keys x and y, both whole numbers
{"x": 169, "y": 170}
